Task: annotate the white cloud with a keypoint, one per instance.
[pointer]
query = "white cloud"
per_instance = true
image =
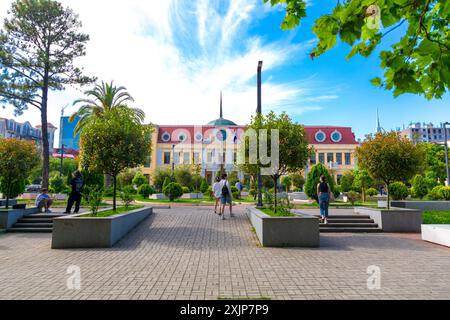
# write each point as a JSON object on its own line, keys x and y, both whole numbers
{"x": 175, "y": 56}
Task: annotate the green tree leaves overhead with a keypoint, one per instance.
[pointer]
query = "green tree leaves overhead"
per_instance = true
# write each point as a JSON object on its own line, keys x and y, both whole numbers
{"x": 418, "y": 63}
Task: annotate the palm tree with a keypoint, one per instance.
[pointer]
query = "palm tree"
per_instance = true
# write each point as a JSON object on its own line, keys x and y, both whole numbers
{"x": 104, "y": 98}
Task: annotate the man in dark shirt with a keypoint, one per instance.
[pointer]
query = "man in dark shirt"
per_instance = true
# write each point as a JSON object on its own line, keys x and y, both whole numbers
{"x": 75, "y": 195}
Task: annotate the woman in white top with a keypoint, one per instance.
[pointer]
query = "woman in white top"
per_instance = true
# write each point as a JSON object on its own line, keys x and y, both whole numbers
{"x": 216, "y": 192}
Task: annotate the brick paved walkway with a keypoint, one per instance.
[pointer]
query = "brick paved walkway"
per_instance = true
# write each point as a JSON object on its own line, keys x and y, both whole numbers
{"x": 188, "y": 253}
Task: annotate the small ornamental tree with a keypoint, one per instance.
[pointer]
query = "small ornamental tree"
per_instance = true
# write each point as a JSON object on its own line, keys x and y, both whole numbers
{"x": 362, "y": 182}
{"x": 398, "y": 191}
{"x": 313, "y": 180}
{"x": 345, "y": 184}
{"x": 203, "y": 186}
{"x": 420, "y": 188}
{"x": 293, "y": 147}
{"x": 17, "y": 159}
{"x": 286, "y": 182}
{"x": 173, "y": 190}
{"x": 114, "y": 142}
{"x": 298, "y": 180}
{"x": 139, "y": 179}
{"x": 390, "y": 157}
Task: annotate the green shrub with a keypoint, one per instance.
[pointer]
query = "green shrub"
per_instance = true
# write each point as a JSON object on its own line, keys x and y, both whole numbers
{"x": 420, "y": 186}
{"x": 353, "y": 196}
{"x": 398, "y": 191}
{"x": 129, "y": 189}
{"x": 204, "y": 186}
{"x": 435, "y": 193}
{"x": 209, "y": 193}
{"x": 159, "y": 178}
{"x": 186, "y": 190}
{"x": 94, "y": 197}
{"x": 235, "y": 192}
{"x": 268, "y": 198}
{"x": 445, "y": 192}
{"x": 297, "y": 190}
{"x": 313, "y": 180}
{"x": 109, "y": 192}
{"x": 146, "y": 190}
{"x": 127, "y": 198}
{"x": 297, "y": 180}
{"x": 286, "y": 183}
{"x": 345, "y": 184}
{"x": 371, "y": 192}
{"x": 57, "y": 184}
{"x": 252, "y": 192}
{"x": 139, "y": 179}
{"x": 173, "y": 190}
{"x": 183, "y": 176}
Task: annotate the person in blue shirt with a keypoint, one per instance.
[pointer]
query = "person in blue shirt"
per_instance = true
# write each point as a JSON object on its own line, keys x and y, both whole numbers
{"x": 44, "y": 201}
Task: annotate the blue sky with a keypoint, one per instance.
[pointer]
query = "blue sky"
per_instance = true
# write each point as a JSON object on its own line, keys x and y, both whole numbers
{"x": 175, "y": 57}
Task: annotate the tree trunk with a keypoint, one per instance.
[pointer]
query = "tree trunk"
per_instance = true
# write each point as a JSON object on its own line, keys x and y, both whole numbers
{"x": 363, "y": 191}
{"x": 44, "y": 128}
{"x": 114, "y": 191}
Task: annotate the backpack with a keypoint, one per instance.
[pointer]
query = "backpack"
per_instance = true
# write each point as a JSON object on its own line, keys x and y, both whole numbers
{"x": 225, "y": 190}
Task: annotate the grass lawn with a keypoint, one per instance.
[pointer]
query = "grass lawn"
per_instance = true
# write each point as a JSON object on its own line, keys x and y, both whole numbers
{"x": 338, "y": 204}
{"x": 436, "y": 217}
{"x": 271, "y": 213}
{"x": 108, "y": 213}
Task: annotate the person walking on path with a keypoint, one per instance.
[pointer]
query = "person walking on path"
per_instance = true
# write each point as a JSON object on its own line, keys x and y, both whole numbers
{"x": 324, "y": 195}
{"x": 75, "y": 195}
{"x": 217, "y": 192}
{"x": 226, "y": 196}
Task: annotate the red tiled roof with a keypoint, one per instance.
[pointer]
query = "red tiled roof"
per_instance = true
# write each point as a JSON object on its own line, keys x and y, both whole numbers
{"x": 348, "y": 137}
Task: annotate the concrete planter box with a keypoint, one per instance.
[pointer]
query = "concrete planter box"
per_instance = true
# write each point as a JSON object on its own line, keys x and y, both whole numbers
{"x": 395, "y": 219}
{"x": 245, "y": 193}
{"x": 82, "y": 232}
{"x": 382, "y": 204}
{"x": 11, "y": 202}
{"x": 158, "y": 196}
{"x": 29, "y": 196}
{"x": 422, "y": 205}
{"x": 436, "y": 233}
{"x": 299, "y": 231}
{"x": 192, "y": 196}
{"x": 10, "y": 217}
{"x": 298, "y": 196}
{"x": 60, "y": 196}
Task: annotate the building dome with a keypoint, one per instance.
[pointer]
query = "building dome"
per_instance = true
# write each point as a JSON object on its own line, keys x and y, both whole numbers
{"x": 221, "y": 121}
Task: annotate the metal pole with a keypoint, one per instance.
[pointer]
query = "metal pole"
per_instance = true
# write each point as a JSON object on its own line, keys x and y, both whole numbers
{"x": 259, "y": 111}
{"x": 446, "y": 154}
{"x": 61, "y": 166}
{"x": 173, "y": 162}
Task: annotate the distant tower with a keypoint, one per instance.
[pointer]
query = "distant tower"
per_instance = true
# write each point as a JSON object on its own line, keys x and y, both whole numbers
{"x": 378, "y": 129}
{"x": 221, "y": 110}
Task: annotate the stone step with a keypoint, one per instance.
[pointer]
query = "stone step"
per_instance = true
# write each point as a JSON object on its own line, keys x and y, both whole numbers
{"x": 351, "y": 225}
{"x": 33, "y": 225}
{"x": 44, "y": 215}
{"x": 349, "y": 230}
{"x": 36, "y": 220}
{"x": 353, "y": 216}
{"x": 331, "y": 220}
{"x": 30, "y": 230}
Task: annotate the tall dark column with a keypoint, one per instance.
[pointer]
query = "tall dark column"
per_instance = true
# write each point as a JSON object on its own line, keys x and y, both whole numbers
{"x": 259, "y": 111}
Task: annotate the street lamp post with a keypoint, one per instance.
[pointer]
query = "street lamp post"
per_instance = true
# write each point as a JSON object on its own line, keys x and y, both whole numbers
{"x": 62, "y": 156}
{"x": 173, "y": 162}
{"x": 446, "y": 154}
{"x": 258, "y": 112}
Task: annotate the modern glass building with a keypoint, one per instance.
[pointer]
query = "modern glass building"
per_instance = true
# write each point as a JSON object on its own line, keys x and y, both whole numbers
{"x": 67, "y": 135}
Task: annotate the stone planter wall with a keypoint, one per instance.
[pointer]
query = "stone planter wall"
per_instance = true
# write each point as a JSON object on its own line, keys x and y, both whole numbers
{"x": 11, "y": 202}
{"x": 299, "y": 231}
{"x": 395, "y": 219}
{"x": 422, "y": 205}
{"x": 75, "y": 231}
{"x": 158, "y": 196}
{"x": 436, "y": 233}
{"x": 10, "y": 217}
{"x": 192, "y": 196}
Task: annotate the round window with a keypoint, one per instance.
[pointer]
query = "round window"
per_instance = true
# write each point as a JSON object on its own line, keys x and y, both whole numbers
{"x": 336, "y": 136}
{"x": 320, "y": 136}
{"x": 221, "y": 135}
{"x": 182, "y": 137}
{"x": 165, "y": 137}
{"x": 198, "y": 137}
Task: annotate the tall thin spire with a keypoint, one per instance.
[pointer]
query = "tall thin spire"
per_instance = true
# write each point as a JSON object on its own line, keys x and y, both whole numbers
{"x": 221, "y": 110}
{"x": 378, "y": 128}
